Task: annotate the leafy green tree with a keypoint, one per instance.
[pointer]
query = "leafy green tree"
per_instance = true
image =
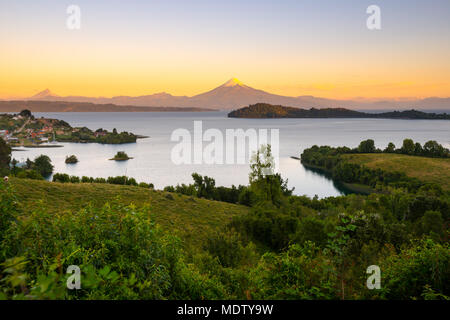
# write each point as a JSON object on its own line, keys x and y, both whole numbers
{"x": 408, "y": 146}
{"x": 418, "y": 150}
{"x": 434, "y": 149}
{"x": 367, "y": 146}
{"x": 204, "y": 186}
{"x": 267, "y": 185}
{"x": 390, "y": 148}
{"x": 29, "y": 164}
{"x": 43, "y": 165}
{"x": 339, "y": 249}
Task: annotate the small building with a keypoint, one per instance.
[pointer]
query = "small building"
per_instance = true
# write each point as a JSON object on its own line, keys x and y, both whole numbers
{"x": 99, "y": 133}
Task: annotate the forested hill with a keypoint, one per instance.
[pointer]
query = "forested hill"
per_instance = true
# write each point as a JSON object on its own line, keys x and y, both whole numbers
{"x": 264, "y": 110}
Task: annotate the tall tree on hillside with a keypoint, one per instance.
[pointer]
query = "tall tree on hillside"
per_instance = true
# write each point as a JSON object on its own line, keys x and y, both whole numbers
{"x": 267, "y": 185}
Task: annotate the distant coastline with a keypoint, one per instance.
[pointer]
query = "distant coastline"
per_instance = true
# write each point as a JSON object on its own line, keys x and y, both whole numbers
{"x": 63, "y": 106}
{"x": 267, "y": 111}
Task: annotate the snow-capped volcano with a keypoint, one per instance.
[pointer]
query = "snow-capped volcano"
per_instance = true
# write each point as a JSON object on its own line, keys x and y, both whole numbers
{"x": 233, "y": 82}
{"x": 43, "y": 94}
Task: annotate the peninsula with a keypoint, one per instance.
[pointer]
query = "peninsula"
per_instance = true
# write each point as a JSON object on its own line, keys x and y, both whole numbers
{"x": 23, "y": 129}
{"x": 264, "y": 110}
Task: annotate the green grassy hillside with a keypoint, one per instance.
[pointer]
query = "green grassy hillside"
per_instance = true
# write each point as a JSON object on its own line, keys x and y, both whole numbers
{"x": 434, "y": 170}
{"x": 191, "y": 218}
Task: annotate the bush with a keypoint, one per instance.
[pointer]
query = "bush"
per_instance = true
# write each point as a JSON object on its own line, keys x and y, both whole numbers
{"x": 301, "y": 272}
{"x": 61, "y": 177}
{"x": 121, "y": 254}
{"x": 408, "y": 274}
{"x": 229, "y": 249}
{"x": 29, "y": 174}
{"x": 311, "y": 229}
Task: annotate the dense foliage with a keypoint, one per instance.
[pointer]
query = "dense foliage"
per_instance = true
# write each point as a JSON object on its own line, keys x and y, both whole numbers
{"x": 285, "y": 247}
{"x": 119, "y": 180}
{"x": 331, "y": 161}
{"x": 41, "y": 167}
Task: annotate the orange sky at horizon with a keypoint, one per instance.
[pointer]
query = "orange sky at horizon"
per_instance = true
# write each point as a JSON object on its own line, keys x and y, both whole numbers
{"x": 95, "y": 72}
{"x": 290, "y": 48}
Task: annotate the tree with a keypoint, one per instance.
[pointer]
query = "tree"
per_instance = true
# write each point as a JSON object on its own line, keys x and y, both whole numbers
{"x": 418, "y": 150}
{"x": 434, "y": 149}
{"x": 264, "y": 182}
{"x": 25, "y": 113}
{"x": 29, "y": 164}
{"x": 5, "y": 154}
{"x": 14, "y": 163}
{"x": 390, "y": 148}
{"x": 43, "y": 165}
{"x": 204, "y": 186}
{"x": 408, "y": 146}
{"x": 367, "y": 146}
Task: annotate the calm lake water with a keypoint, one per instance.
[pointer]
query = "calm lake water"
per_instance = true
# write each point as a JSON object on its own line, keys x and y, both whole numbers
{"x": 152, "y": 156}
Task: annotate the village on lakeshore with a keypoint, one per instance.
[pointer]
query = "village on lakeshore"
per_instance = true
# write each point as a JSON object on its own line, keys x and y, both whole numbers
{"x": 24, "y": 130}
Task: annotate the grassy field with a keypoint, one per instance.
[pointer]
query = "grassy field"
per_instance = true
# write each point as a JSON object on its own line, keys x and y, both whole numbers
{"x": 425, "y": 169}
{"x": 191, "y": 218}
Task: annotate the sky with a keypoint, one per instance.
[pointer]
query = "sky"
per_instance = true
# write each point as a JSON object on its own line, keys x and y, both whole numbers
{"x": 300, "y": 47}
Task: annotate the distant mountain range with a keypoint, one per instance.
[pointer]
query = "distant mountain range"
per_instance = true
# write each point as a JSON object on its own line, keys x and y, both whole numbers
{"x": 234, "y": 94}
{"x": 264, "y": 111}
{"x": 65, "y": 106}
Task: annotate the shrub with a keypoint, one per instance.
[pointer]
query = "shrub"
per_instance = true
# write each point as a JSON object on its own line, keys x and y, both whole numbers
{"x": 408, "y": 274}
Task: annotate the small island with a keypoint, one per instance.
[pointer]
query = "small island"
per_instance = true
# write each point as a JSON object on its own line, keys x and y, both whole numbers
{"x": 23, "y": 129}
{"x": 71, "y": 159}
{"x": 265, "y": 110}
{"x": 121, "y": 156}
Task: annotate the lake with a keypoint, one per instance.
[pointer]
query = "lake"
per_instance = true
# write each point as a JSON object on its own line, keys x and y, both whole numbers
{"x": 152, "y": 156}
